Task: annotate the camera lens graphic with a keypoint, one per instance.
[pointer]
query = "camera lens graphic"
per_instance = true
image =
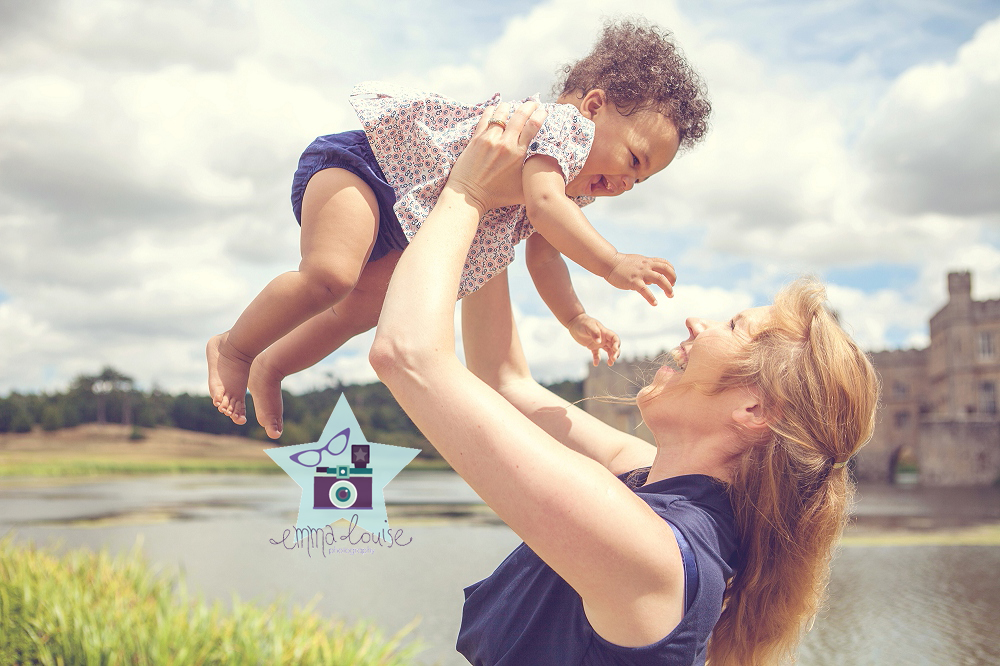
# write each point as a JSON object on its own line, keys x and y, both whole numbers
{"x": 343, "y": 494}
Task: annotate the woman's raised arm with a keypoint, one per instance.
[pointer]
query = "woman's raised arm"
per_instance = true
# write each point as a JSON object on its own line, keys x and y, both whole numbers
{"x": 493, "y": 353}
{"x": 599, "y": 536}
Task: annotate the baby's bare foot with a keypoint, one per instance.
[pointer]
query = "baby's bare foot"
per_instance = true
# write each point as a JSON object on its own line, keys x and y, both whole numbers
{"x": 227, "y": 377}
{"x": 265, "y": 387}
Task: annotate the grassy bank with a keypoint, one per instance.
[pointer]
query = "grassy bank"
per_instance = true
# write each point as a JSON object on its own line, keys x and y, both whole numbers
{"x": 111, "y": 449}
{"x": 97, "y": 467}
{"x": 90, "y": 608}
{"x": 979, "y": 535}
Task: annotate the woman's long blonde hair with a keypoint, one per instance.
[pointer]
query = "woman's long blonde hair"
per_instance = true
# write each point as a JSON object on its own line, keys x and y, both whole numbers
{"x": 819, "y": 393}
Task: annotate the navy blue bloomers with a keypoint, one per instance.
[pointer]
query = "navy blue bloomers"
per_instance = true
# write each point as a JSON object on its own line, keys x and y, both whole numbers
{"x": 350, "y": 151}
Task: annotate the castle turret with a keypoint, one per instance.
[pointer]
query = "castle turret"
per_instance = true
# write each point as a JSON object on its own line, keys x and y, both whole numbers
{"x": 960, "y": 287}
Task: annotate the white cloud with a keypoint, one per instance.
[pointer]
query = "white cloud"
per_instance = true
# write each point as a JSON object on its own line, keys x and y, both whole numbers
{"x": 934, "y": 142}
{"x": 868, "y": 317}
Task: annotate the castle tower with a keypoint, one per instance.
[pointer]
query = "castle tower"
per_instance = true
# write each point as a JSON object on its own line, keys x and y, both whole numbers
{"x": 952, "y": 362}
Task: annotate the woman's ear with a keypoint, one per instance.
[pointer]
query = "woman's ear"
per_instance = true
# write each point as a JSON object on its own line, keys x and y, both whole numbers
{"x": 593, "y": 102}
{"x": 749, "y": 416}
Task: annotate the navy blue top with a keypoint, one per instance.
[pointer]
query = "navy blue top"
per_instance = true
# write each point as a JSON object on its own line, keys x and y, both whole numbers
{"x": 525, "y": 613}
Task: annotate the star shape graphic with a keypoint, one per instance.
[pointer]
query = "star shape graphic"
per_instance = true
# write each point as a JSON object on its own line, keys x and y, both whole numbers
{"x": 333, "y": 451}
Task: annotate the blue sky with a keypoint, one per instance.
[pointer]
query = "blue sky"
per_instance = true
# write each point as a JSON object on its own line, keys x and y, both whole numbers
{"x": 146, "y": 153}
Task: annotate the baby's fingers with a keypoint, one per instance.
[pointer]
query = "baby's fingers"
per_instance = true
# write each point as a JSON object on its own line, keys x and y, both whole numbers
{"x": 662, "y": 275}
{"x": 612, "y": 346}
{"x": 662, "y": 282}
{"x": 646, "y": 293}
{"x": 665, "y": 268}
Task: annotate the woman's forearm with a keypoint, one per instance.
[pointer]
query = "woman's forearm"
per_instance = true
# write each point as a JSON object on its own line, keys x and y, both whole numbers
{"x": 417, "y": 321}
{"x": 492, "y": 347}
{"x": 417, "y": 317}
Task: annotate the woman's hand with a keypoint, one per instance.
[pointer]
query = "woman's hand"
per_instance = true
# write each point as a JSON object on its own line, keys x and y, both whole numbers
{"x": 488, "y": 172}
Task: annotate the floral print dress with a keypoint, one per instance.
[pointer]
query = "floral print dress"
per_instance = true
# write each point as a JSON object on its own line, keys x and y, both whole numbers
{"x": 417, "y": 137}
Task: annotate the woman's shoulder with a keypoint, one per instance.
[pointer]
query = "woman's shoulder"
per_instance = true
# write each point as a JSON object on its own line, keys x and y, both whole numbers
{"x": 698, "y": 505}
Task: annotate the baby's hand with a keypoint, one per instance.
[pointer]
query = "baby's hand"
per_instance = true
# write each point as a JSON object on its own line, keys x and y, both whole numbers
{"x": 634, "y": 271}
{"x": 594, "y": 336}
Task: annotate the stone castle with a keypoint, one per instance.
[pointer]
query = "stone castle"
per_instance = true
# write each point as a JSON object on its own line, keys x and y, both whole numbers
{"x": 939, "y": 408}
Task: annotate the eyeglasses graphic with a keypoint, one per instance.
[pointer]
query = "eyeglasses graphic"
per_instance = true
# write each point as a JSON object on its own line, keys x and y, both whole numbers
{"x": 304, "y": 458}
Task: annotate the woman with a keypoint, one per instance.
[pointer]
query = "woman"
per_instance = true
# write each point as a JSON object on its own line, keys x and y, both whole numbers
{"x": 746, "y": 481}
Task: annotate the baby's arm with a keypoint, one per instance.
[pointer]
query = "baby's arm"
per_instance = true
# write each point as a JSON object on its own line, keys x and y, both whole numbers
{"x": 551, "y": 277}
{"x": 564, "y": 225}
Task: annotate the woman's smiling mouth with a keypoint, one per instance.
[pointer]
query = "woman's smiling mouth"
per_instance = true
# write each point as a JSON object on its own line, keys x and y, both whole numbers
{"x": 680, "y": 357}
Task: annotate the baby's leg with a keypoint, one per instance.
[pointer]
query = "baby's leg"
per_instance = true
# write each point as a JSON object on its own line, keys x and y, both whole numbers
{"x": 339, "y": 226}
{"x": 316, "y": 339}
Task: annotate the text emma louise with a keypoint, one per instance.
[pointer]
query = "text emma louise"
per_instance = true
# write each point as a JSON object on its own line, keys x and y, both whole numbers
{"x": 320, "y": 538}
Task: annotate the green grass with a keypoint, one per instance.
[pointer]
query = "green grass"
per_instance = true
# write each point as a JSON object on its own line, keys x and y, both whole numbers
{"x": 99, "y": 467}
{"x": 91, "y": 608}
{"x": 982, "y": 535}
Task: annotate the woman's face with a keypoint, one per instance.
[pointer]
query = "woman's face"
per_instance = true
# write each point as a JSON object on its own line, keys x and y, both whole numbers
{"x": 679, "y": 391}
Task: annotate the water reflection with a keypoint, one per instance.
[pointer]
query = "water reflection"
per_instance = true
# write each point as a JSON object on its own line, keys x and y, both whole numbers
{"x": 910, "y": 605}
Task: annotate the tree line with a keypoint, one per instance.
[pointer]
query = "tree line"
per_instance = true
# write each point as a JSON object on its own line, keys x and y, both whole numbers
{"x": 112, "y": 397}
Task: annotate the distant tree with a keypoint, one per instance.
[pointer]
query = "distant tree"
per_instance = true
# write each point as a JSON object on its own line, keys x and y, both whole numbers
{"x": 569, "y": 390}
{"x": 52, "y": 418}
{"x": 153, "y": 408}
{"x": 111, "y": 395}
{"x": 7, "y": 411}
{"x": 21, "y": 421}
{"x": 109, "y": 383}
{"x": 196, "y": 412}
{"x": 15, "y": 413}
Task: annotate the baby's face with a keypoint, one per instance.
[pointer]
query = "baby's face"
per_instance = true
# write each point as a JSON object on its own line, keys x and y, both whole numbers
{"x": 626, "y": 150}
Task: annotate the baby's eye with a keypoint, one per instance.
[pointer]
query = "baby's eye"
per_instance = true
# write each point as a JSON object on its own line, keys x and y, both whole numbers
{"x": 635, "y": 160}
{"x": 732, "y": 324}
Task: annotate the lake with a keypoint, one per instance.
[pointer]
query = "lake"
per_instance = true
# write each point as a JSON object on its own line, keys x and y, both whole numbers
{"x": 916, "y": 599}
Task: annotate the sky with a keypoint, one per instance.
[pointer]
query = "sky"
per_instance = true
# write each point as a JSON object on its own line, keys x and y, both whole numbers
{"x": 147, "y": 150}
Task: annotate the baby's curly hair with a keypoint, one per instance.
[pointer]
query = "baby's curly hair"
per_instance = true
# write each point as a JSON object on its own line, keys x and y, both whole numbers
{"x": 638, "y": 66}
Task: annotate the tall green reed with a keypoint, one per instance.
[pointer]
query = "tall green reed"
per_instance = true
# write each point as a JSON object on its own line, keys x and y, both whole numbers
{"x": 93, "y": 609}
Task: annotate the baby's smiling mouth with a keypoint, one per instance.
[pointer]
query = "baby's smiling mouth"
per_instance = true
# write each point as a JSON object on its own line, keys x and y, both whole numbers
{"x": 600, "y": 184}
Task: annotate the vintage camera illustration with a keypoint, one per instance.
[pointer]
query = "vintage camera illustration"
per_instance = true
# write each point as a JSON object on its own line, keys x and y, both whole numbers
{"x": 345, "y": 486}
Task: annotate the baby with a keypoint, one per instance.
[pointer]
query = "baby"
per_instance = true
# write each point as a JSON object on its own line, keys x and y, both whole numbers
{"x": 621, "y": 116}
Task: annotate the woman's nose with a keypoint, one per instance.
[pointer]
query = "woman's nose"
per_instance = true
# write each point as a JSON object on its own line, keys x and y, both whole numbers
{"x": 695, "y": 325}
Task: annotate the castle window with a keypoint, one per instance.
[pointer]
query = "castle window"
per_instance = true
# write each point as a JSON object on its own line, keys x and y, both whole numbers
{"x": 988, "y": 398}
{"x": 899, "y": 389}
{"x": 902, "y": 419}
{"x": 986, "y": 348}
